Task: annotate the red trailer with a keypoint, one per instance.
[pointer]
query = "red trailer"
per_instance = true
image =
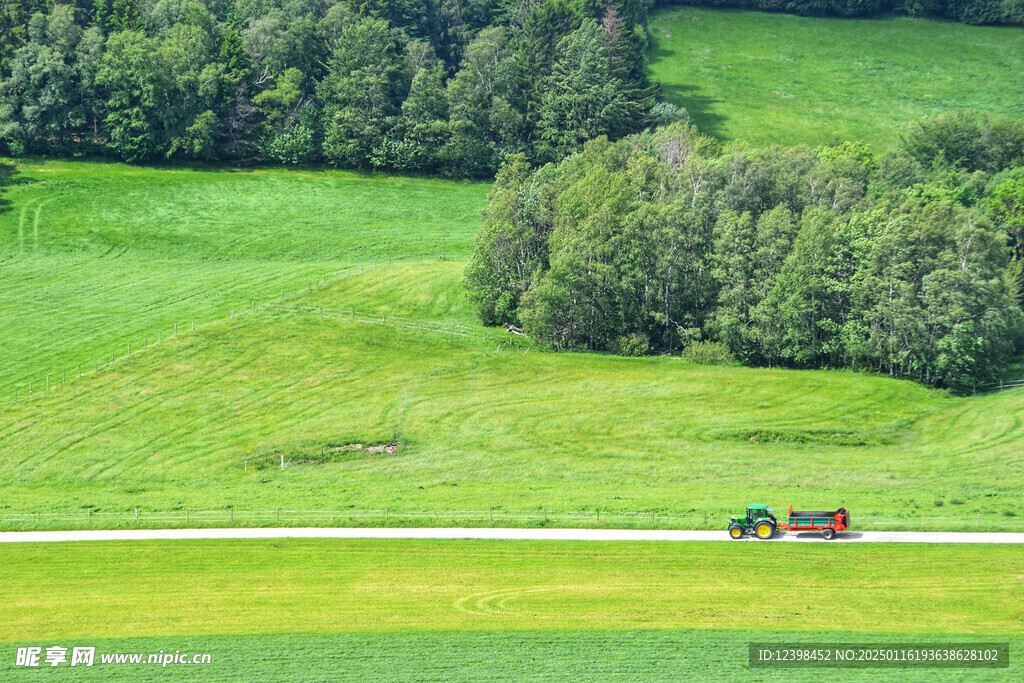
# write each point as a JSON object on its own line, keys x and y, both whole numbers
{"x": 828, "y": 523}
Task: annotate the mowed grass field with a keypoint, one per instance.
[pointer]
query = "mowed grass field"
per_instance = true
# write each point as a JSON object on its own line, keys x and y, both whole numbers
{"x": 201, "y": 421}
{"x": 97, "y": 256}
{"x": 784, "y": 79}
{"x": 418, "y": 610}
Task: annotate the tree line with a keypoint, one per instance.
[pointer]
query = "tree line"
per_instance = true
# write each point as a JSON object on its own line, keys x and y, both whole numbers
{"x": 963, "y": 11}
{"x": 826, "y": 257}
{"x": 433, "y": 86}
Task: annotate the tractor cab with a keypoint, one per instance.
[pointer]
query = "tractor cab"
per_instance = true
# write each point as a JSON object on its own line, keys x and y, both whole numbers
{"x": 756, "y": 512}
{"x": 759, "y": 521}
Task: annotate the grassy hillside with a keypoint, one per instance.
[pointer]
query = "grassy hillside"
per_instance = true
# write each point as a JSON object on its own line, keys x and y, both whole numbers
{"x": 96, "y": 256}
{"x": 439, "y": 607}
{"x": 776, "y": 78}
{"x": 478, "y": 427}
{"x": 200, "y": 421}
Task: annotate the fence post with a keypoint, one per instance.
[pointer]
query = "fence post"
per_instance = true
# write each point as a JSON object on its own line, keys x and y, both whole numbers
{"x": 922, "y": 521}
{"x": 232, "y": 514}
{"x": 490, "y": 514}
{"x": 186, "y": 515}
{"x": 977, "y": 523}
{"x": 136, "y": 515}
{"x": 599, "y": 515}
{"x": 279, "y": 514}
{"x": 435, "y": 514}
{"x": 175, "y": 329}
{"x": 386, "y": 516}
{"x": 89, "y": 521}
{"x": 193, "y": 325}
{"x": 652, "y": 516}
{"x": 62, "y": 376}
{"x": 705, "y": 518}
{"x": 282, "y": 462}
{"x": 79, "y": 371}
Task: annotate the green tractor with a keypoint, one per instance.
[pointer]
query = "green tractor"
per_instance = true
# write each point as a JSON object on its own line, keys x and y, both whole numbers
{"x": 758, "y": 521}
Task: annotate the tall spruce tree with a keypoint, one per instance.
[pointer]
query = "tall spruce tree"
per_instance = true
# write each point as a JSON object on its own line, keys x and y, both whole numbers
{"x": 361, "y": 92}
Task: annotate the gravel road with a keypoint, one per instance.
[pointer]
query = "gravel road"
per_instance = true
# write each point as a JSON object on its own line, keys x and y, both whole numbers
{"x": 505, "y": 534}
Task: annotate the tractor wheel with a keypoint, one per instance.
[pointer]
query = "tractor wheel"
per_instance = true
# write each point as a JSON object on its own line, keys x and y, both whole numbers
{"x": 828, "y": 534}
{"x": 764, "y": 530}
{"x": 735, "y": 532}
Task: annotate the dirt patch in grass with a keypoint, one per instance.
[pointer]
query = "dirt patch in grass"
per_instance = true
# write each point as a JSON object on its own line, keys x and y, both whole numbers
{"x": 808, "y": 437}
{"x": 389, "y": 448}
{"x": 292, "y": 455}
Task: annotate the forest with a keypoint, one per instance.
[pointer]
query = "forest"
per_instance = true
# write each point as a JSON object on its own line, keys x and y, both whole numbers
{"x": 450, "y": 87}
{"x": 667, "y": 241}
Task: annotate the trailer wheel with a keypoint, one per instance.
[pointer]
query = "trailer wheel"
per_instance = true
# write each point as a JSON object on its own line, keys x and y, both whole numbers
{"x": 764, "y": 530}
{"x": 735, "y": 532}
{"x": 828, "y": 534}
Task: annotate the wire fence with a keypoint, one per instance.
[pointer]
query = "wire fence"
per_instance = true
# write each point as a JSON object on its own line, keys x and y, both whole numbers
{"x": 43, "y": 382}
{"x": 999, "y": 386}
{"x": 138, "y": 517}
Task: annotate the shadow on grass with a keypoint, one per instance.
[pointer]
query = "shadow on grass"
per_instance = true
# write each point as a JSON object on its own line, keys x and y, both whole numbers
{"x": 698, "y": 106}
{"x": 7, "y": 173}
{"x": 230, "y": 166}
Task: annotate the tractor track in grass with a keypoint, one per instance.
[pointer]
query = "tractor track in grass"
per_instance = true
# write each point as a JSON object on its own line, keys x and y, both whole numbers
{"x": 502, "y": 534}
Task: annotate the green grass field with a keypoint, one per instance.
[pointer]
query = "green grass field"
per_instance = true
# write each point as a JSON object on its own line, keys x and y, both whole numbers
{"x": 96, "y": 256}
{"x": 485, "y": 609}
{"x": 594, "y": 655}
{"x": 198, "y": 423}
{"x": 481, "y": 428}
{"x": 778, "y": 78}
